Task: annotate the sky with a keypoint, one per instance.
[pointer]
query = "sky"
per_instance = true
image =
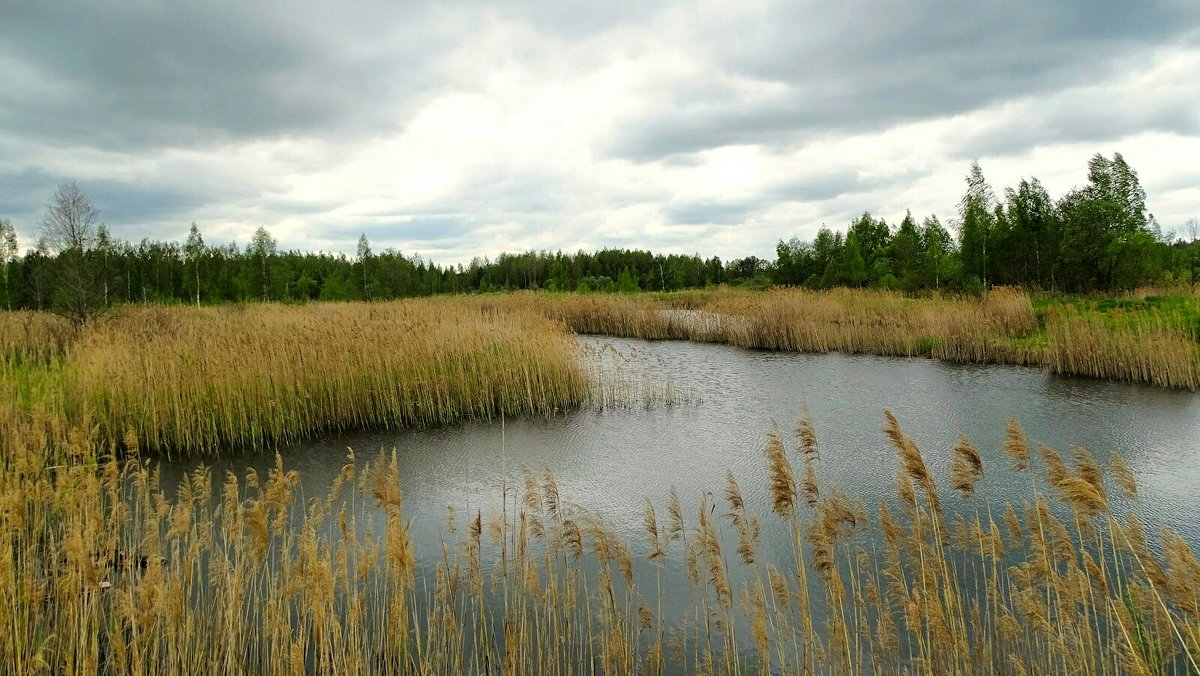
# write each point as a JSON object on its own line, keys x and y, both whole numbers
{"x": 467, "y": 128}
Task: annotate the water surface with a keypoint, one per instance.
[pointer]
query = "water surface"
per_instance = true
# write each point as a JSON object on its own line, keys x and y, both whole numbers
{"x": 610, "y": 460}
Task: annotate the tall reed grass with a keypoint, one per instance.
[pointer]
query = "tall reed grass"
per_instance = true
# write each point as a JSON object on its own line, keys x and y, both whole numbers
{"x": 845, "y": 320}
{"x": 111, "y": 571}
{"x": 1150, "y": 345}
{"x": 1139, "y": 349}
{"x": 188, "y": 380}
{"x": 33, "y": 336}
{"x": 108, "y": 572}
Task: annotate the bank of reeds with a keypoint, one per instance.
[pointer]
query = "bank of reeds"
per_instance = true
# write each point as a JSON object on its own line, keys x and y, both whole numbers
{"x": 188, "y": 380}
{"x": 33, "y": 336}
{"x": 108, "y": 572}
{"x": 845, "y": 320}
{"x": 1154, "y": 347}
{"x": 624, "y": 378}
{"x": 1148, "y": 345}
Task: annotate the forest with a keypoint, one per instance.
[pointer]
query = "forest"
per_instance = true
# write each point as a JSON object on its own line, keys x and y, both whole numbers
{"x": 1095, "y": 238}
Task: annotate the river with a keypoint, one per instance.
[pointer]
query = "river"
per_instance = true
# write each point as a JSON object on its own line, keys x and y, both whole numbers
{"x": 610, "y": 460}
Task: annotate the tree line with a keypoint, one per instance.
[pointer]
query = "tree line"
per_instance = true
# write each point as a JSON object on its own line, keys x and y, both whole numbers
{"x": 1098, "y": 237}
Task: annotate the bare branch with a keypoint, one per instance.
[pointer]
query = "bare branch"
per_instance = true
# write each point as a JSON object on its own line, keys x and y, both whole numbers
{"x": 70, "y": 220}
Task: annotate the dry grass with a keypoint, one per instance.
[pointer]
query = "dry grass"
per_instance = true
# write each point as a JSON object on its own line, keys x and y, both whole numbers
{"x": 1151, "y": 346}
{"x": 109, "y": 573}
{"x": 1145, "y": 350}
{"x": 188, "y": 380}
{"x": 33, "y": 336}
{"x": 844, "y": 320}
{"x": 242, "y": 574}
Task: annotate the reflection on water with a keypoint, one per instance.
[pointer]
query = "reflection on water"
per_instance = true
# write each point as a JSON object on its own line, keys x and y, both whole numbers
{"x": 610, "y": 460}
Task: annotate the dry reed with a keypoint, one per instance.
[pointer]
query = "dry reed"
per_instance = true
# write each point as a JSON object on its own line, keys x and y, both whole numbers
{"x": 188, "y": 380}
{"x": 999, "y": 327}
{"x": 108, "y": 572}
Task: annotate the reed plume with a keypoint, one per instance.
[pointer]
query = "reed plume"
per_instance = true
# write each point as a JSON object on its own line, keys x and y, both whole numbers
{"x": 651, "y": 524}
{"x": 812, "y": 491}
{"x": 912, "y": 464}
{"x": 1088, "y": 469}
{"x": 910, "y": 456}
{"x": 966, "y": 468}
{"x": 783, "y": 481}
{"x": 105, "y": 571}
{"x": 806, "y": 435}
{"x": 675, "y": 512}
{"x": 1015, "y": 444}
{"x": 1123, "y": 476}
{"x": 733, "y": 494}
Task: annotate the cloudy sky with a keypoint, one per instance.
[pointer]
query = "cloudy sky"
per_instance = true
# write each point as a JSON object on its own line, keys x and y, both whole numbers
{"x": 461, "y": 129}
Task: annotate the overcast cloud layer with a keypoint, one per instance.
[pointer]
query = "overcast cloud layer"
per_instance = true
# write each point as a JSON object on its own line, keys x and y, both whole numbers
{"x": 462, "y": 129}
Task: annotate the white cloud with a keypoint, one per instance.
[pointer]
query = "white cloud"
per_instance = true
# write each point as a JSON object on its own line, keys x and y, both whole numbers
{"x": 686, "y": 129}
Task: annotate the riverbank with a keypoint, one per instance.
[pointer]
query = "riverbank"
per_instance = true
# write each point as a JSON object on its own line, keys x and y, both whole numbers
{"x": 184, "y": 380}
{"x": 189, "y": 380}
{"x": 1151, "y": 339}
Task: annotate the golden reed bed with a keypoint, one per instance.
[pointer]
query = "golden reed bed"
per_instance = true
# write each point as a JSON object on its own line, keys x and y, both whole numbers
{"x": 106, "y": 572}
{"x": 1000, "y": 327}
{"x": 187, "y": 380}
{"x": 233, "y": 573}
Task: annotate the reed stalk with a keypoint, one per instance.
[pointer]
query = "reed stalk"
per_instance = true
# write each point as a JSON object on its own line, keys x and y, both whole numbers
{"x": 107, "y": 570}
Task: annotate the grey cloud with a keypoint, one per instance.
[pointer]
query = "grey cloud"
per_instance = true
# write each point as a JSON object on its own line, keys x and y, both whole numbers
{"x": 26, "y": 192}
{"x": 673, "y": 134}
{"x": 131, "y": 75}
{"x": 421, "y": 228}
{"x": 499, "y": 191}
{"x": 709, "y": 212}
{"x": 1184, "y": 181}
{"x": 860, "y": 66}
{"x": 820, "y": 187}
{"x": 574, "y": 19}
{"x": 825, "y": 186}
{"x": 419, "y": 232}
{"x": 136, "y": 77}
{"x": 683, "y": 238}
{"x": 122, "y": 203}
{"x": 1071, "y": 118}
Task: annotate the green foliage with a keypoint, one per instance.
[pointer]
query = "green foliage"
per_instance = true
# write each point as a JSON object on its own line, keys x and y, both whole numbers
{"x": 602, "y": 284}
{"x": 336, "y": 288}
{"x": 976, "y": 223}
{"x": 8, "y": 255}
{"x": 306, "y": 288}
{"x": 905, "y": 254}
{"x": 1108, "y": 241}
{"x": 853, "y": 262}
{"x": 626, "y": 283}
{"x": 1098, "y": 237}
{"x": 1028, "y": 243}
